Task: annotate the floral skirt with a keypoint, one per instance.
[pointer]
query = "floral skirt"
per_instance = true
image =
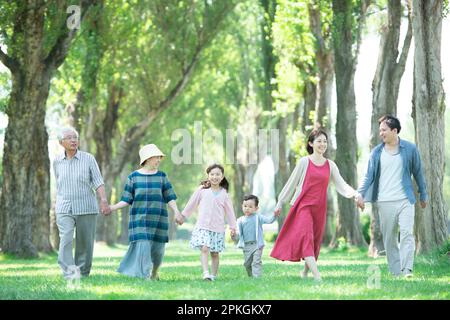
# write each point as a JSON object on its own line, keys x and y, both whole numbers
{"x": 215, "y": 241}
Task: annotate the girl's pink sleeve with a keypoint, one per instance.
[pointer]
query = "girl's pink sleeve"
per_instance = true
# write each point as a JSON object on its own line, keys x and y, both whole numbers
{"x": 192, "y": 204}
{"x": 229, "y": 213}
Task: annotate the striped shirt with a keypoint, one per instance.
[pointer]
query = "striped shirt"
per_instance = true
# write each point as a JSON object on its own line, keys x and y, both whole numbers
{"x": 148, "y": 195}
{"x": 76, "y": 182}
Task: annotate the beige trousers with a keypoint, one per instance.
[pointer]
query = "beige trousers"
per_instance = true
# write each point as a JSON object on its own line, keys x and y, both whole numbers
{"x": 395, "y": 217}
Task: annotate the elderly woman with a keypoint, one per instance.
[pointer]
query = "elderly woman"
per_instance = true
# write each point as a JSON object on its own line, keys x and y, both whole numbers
{"x": 148, "y": 191}
{"x": 78, "y": 178}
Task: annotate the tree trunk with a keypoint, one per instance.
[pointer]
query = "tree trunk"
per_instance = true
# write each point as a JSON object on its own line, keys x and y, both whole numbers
{"x": 325, "y": 67}
{"x": 54, "y": 231}
{"x": 107, "y": 226}
{"x": 25, "y": 203}
{"x": 269, "y": 59}
{"x": 25, "y": 199}
{"x": 429, "y": 115}
{"x": 282, "y": 175}
{"x": 239, "y": 187}
{"x": 309, "y": 107}
{"x": 385, "y": 87}
{"x": 347, "y": 225}
{"x": 80, "y": 114}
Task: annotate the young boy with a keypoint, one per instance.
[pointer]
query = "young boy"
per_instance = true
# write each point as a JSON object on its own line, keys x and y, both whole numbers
{"x": 251, "y": 238}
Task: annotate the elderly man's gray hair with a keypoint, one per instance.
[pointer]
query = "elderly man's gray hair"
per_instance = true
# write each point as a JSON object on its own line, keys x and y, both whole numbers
{"x": 65, "y": 130}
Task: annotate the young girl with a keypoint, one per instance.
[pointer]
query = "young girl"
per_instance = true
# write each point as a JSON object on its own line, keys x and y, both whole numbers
{"x": 147, "y": 191}
{"x": 214, "y": 204}
{"x": 301, "y": 234}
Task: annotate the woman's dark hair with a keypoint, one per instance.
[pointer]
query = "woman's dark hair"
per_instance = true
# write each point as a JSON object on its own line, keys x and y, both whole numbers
{"x": 224, "y": 183}
{"x": 391, "y": 121}
{"x": 313, "y": 136}
{"x": 252, "y": 197}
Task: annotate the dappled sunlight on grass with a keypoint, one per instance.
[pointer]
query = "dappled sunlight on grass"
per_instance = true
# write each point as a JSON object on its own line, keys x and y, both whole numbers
{"x": 345, "y": 276}
{"x": 30, "y": 273}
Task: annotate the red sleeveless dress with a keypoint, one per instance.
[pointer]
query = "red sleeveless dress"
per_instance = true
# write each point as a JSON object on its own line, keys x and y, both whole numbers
{"x": 302, "y": 231}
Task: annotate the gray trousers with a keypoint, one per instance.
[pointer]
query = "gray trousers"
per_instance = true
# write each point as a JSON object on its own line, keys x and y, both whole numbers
{"x": 252, "y": 259}
{"x": 84, "y": 241}
{"x": 398, "y": 216}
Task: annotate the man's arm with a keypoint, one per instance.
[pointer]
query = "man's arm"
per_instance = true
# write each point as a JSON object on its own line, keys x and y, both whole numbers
{"x": 104, "y": 206}
{"x": 420, "y": 179}
{"x": 368, "y": 179}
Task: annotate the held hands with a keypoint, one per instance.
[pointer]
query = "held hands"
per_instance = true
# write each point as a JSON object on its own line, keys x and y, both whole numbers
{"x": 277, "y": 212}
{"x": 105, "y": 209}
{"x": 359, "y": 201}
{"x": 179, "y": 218}
{"x": 233, "y": 233}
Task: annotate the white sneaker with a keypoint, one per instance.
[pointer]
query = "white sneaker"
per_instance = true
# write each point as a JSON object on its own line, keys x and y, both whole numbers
{"x": 73, "y": 273}
{"x": 207, "y": 276}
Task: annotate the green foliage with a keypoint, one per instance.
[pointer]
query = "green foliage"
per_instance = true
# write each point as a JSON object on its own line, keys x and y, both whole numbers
{"x": 216, "y": 98}
{"x": 5, "y": 89}
{"x": 270, "y": 236}
{"x": 1, "y": 168}
{"x": 444, "y": 250}
{"x": 15, "y": 12}
{"x": 445, "y": 9}
{"x": 342, "y": 245}
{"x": 346, "y": 22}
{"x": 446, "y": 184}
{"x": 292, "y": 37}
{"x": 365, "y": 223}
{"x": 7, "y": 19}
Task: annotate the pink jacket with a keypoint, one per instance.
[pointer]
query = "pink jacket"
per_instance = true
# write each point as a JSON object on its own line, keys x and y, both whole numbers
{"x": 212, "y": 209}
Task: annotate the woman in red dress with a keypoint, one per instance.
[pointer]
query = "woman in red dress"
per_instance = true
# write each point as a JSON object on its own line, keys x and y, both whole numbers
{"x": 302, "y": 231}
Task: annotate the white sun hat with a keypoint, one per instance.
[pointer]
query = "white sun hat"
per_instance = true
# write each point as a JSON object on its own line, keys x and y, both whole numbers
{"x": 148, "y": 151}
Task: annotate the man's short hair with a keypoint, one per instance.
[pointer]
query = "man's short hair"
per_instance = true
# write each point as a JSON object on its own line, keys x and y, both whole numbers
{"x": 252, "y": 197}
{"x": 65, "y": 130}
{"x": 391, "y": 121}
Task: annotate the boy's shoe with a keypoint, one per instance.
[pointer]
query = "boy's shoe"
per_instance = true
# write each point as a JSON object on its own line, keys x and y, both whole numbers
{"x": 318, "y": 281}
{"x": 407, "y": 273}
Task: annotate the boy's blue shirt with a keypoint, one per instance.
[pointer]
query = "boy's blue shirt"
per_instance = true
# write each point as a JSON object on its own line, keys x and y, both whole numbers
{"x": 412, "y": 165}
{"x": 261, "y": 219}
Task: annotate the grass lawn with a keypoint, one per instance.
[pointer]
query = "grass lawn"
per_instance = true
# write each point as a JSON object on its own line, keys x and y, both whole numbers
{"x": 348, "y": 274}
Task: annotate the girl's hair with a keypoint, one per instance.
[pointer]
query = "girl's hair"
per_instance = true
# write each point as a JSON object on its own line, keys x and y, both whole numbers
{"x": 313, "y": 136}
{"x": 224, "y": 183}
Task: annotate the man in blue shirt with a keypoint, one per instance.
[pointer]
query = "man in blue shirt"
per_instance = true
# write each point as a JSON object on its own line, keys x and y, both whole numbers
{"x": 388, "y": 183}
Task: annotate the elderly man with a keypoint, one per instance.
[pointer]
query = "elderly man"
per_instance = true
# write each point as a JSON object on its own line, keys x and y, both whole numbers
{"x": 77, "y": 176}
